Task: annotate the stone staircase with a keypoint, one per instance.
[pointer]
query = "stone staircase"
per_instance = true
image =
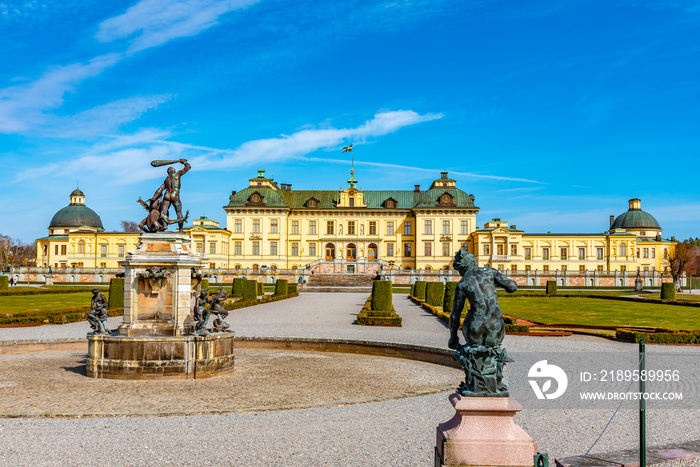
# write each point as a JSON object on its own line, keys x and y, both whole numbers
{"x": 339, "y": 283}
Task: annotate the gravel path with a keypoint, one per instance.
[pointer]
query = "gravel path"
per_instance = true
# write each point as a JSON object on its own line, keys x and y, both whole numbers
{"x": 389, "y": 433}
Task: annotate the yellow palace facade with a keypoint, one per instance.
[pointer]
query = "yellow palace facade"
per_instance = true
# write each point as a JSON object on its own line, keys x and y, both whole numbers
{"x": 270, "y": 226}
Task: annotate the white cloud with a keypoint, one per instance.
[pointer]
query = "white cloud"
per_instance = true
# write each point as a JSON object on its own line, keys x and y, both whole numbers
{"x": 310, "y": 140}
{"x": 22, "y": 106}
{"x": 104, "y": 118}
{"x": 155, "y": 22}
{"x": 116, "y": 159}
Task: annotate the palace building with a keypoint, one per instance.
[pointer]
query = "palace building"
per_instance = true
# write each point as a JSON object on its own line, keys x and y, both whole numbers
{"x": 270, "y": 226}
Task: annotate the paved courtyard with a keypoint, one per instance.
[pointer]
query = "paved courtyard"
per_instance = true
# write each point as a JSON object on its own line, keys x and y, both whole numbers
{"x": 394, "y": 432}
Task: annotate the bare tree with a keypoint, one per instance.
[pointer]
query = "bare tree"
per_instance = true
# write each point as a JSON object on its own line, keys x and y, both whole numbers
{"x": 14, "y": 252}
{"x": 130, "y": 226}
{"x": 680, "y": 257}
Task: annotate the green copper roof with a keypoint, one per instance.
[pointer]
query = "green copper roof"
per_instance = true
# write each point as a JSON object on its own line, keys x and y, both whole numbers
{"x": 76, "y": 216}
{"x": 77, "y": 192}
{"x": 635, "y": 219}
{"x": 328, "y": 199}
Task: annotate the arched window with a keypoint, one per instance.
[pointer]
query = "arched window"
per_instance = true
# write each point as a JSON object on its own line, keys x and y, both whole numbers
{"x": 255, "y": 266}
{"x": 372, "y": 252}
{"x": 238, "y": 266}
{"x": 351, "y": 251}
{"x": 295, "y": 267}
{"x": 428, "y": 268}
{"x": 273, "y": 267}
{"x": 81, "y": 247}
{"x": 623, "y": 249}
{"x": 330, "y": 251}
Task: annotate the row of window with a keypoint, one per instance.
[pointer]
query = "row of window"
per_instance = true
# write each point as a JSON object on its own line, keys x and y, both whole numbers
{"x": 351, "y": 227}
{"x": 329, "y": 249}
{"x": 81, "y": 249}
{"x": 581, "y": 268}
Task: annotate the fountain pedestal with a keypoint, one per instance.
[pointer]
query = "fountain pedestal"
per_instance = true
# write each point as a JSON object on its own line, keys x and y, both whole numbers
{"x": 161, "y": 280}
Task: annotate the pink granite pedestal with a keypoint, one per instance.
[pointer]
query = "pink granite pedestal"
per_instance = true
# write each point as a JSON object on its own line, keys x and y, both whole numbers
{"x": 483, "y": 432}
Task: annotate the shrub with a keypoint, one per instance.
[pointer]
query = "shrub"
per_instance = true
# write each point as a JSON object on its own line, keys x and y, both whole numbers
{"x": 292, "y": 290}
{"x": 449, "y": 297}
{"x": 434, "y": 292}
{"x": 281, "y": 287}
{"x": 517, "y": 328}
{"x": 369, "y": 317}
{"x": 116, "y": 293}
{"x": 67, "y": 315}
{"x": 509, "y": 320}
{"x": 4, "y": 282}
{"x": 237, "y": 286}
{"x": 260, "y": 289}
{"x": 419, "y": 291}
{"x": 381, "y": 297}
{"x": 205, "y": 284}
{"x": 551, "y": 288}
{"x": 413, "y": 290}
{"x": 668, "y": 291}
{"x": 250, "y": 290}
{"x": 659, "y": 336}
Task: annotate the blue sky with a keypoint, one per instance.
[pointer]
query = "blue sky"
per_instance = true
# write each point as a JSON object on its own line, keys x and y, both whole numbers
{"x": 552, "y": 113}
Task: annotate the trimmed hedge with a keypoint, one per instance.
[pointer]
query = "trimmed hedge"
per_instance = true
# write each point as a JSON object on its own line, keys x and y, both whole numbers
{"x": 381, "y": 296}
{"x": 434, "y": 292}
{"x": 204, "y": 285}
{"x": 4, "y": 282}
{"x": 250, "y": 290}
{"x": 668, "y": 291}
{"x": 659, "y": 336}
{"x": 116, "y": 293}
{"x": 6, "y": 293}
{"x": 551, "y": 288}
{"x": 510, "y": 325}
{"x": 260, "y": 289}
{"x": 448, "y": 299}
{"x": 237, "y": 286}
{"x": 419, "y": 291}
{"x": 67, "y": 315}
{"x": 281, "y": 287}
{"x": 292, "y": 290}
{"x": 517, "y": 328}
{"x": 368, "y": 317}
{"x": 412, "y": 293}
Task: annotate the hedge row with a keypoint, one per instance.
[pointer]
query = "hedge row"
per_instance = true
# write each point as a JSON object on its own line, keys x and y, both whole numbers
{"x": 4, "y": 282}
{"x": 659, "y": 336}
{"x": 13, "y": 292}
{"x": 551, "y": 288}
{"x": 281, "y": 287}
{"x": 668, "y": 291}
{"x": 66, "y": 315}
{"x": 609, "y": 297}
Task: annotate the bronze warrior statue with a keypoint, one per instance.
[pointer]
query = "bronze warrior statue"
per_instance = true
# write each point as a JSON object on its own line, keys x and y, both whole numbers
{"x": 98, "y": 313}
{"x": 167, "y": 194}
{"x": 482, "y": 357}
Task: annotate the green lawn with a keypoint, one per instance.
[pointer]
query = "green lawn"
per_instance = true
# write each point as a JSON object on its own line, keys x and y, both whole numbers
{"x": 679, "y": 296}
{"x": 591, "y": 311}
{"x": 49, "y": 302}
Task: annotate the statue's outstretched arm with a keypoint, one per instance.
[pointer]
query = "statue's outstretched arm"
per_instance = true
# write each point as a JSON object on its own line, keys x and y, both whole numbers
{"x": 509, "y": 284}
{"x": 186, "y": 168}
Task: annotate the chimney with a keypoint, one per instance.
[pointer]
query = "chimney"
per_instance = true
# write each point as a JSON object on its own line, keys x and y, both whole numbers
{"x": 658, "y": 237}
{"x": 233, "y": 192}
{"x": 612, "y": 220}
{"x": 417, "y": 188}
{"x": 513, "y": 227}
{"x": 673, "y": 239}
{"x": 289, "y": 187}
{"x": 284, "y": 186}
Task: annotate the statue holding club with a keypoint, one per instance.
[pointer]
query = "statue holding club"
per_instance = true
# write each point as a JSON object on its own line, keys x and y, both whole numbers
{"x": 158, "y": 206}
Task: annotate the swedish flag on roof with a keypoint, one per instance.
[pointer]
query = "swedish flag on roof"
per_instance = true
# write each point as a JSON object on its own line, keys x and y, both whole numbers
{"x": 347, "y": 148}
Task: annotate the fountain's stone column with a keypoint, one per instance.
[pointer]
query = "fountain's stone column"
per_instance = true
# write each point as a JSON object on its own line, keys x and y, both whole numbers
{"x": 159, "y": 287}
{"x": 161, "y": 280}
